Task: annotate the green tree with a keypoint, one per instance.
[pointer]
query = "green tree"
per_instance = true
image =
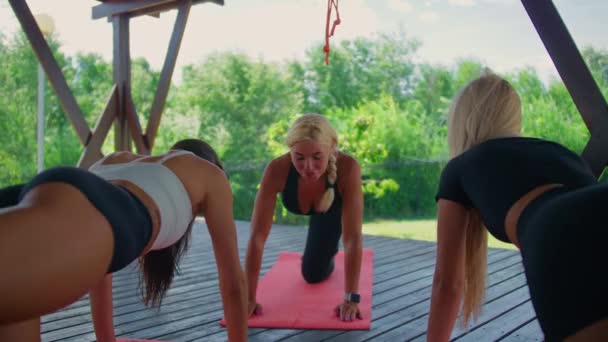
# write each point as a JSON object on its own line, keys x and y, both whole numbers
{"x": 18, "y": 89}
{"x": 360, "y": 70}
{"x": 236, "y": 100}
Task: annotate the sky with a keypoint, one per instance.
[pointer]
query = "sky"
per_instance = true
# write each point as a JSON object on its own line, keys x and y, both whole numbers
{"x": 496, "y": 32}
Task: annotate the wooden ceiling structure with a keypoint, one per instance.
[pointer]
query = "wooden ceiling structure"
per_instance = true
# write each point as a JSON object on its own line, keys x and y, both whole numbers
{"x": 121, "y": 111}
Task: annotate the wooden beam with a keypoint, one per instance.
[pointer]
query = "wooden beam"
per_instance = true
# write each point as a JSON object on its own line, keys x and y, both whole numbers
{"x": 133, "y": 121}
{"x": 156, "y": 10}
{"x": 575, "y": 74}
{"x": 596, "y": 149}
{"x": 112, "y": 9}
{"x": 169, "y": 66}
{"x": 92, "y": 150}
{"x": 122, "y": 78}
{"x": 52, "y": 69}
{"x": 137, "y": 8}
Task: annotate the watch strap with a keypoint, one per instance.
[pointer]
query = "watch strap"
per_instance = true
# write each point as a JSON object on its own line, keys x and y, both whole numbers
{"x": 352, "y": 297}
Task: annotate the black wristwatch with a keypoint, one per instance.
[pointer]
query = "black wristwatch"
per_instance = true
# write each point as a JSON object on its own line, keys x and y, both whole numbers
{"x": 352, "y": 297}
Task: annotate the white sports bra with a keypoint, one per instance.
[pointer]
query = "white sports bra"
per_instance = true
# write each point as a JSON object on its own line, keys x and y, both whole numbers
{"x": 163, "y": 186}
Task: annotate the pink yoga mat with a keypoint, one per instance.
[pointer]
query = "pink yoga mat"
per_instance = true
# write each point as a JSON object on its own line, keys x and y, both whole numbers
{"x": 289, "y": 302}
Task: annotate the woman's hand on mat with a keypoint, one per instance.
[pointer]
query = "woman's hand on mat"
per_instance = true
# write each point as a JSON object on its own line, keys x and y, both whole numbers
{"x": 255, "y": 309}
{"x": 348, "y": 311}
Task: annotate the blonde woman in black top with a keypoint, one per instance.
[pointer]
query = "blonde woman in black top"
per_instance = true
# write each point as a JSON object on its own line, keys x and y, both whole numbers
{"x": 533, "y": 193}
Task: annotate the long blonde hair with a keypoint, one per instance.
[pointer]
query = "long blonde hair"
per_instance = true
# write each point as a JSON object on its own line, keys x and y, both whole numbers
{"x": 488, "y": 107}
{"x": 316, "y": 128}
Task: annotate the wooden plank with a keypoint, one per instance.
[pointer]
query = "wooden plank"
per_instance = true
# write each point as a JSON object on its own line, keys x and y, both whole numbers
{"x": 157, "y": 10}
{"x": 277, "y": 242}
{"x": 395, "y": 306}
{"x": 202, "y": 252}
{"x": 502, "y": 325}
{"x": 403, "y": 272}
{"x": 143, "y": 7}
{"x": 179, "y": 289}
{"x": 166, "y": 74}
{"x": 202, "y": 331}
{"x": 499, "y": 301}
{"x": 134, "y": 126}
{"x": 499, "y": 296}
{"x": 529, "y": 332}
{"x": 596, "y": 149}
{"x": 125, "y": 293}
{"x": 111, "y": 9}
{"x": 92, "y": 150}
{"x": 52, "y": 69}
{"x": 122, "y": 78}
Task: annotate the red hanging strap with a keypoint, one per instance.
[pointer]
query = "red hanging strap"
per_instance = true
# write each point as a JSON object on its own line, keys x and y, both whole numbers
{"x": 328, "y": 32}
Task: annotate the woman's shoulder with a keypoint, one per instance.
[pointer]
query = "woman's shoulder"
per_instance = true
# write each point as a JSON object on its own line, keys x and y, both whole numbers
{"x": 348, "y": 170}
{"x": 198, "y": 175}
{"x": 276, "y": 173}
{"x": 118, "y": 157}
{"x": 196, "y": 165}
{"x": 346, "y": 163}
{"x": 279, "y": 163}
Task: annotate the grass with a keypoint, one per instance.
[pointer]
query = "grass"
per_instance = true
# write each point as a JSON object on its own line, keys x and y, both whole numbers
{"x": 416, "y": 230}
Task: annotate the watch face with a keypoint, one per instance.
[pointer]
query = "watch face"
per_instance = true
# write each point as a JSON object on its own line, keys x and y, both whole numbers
{"x": 352, "y": 297}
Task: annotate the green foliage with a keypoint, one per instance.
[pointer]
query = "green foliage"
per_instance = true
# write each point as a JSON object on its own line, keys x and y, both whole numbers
{"x": 548, "y": 112}
{"x": 18, "y": 86}
{"x": 237, "y": 100}
{"x": 389, "y": 111}
{"x": 597, "y": 60}
{"x": 360, "y": 70}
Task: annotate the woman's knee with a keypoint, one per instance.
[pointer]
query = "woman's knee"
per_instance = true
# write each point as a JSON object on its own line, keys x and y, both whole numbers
{"x": 312, "y": 277}
{"x": 316, "y": 273}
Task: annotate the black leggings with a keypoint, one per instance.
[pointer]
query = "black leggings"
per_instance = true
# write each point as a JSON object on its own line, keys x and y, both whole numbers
{"x": 564, "y": 242}
{"x": 324, "y": 232}
{"x": 129, "y": 218}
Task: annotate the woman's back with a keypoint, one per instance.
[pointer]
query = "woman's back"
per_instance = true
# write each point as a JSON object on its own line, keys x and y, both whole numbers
{"x": 174, "y": 182}
{"x": 493, "y": 175}
{"x": 162, "y": 185}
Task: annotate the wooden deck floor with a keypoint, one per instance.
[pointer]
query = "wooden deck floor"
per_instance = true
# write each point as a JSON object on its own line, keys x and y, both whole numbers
{"x": 403, "y": 272}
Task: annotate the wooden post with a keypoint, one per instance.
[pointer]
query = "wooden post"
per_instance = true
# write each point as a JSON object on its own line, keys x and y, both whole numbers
{"x": 119, "y": 106}
{"x": 576, "y": 76}
{"x": 122, "y": 78}
{"x": 165, "y": 77}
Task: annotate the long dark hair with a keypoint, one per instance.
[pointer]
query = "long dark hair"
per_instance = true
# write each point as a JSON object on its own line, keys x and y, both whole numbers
{"x": 160, "y": 266}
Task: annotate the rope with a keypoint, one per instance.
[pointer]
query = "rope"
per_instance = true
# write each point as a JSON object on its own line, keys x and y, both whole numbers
{"x": 329, "y": 33}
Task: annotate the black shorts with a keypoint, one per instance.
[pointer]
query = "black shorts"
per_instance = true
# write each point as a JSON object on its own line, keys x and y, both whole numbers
{"x": 563, "y": 235}
{"x": 130, "y": 219}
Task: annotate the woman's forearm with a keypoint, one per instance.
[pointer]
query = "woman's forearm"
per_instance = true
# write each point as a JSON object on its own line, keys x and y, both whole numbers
{"x": 352, "y": 264}
{"x": 234, "y": 297}
{"x": 253, "y": 263}
{"x": 445, "y": 303}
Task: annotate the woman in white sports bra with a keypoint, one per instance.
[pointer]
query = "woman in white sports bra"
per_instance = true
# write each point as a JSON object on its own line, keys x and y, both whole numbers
{"x": 72, "y": 228}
